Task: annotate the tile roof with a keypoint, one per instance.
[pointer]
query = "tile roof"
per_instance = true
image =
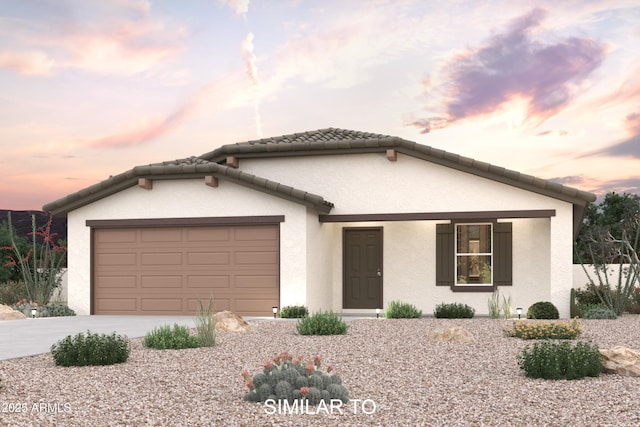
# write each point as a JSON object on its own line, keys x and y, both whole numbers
{"x": 318, "y": 142}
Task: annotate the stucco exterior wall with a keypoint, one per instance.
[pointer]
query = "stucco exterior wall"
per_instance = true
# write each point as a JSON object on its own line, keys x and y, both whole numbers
{"x": 369, "y": 183}
{"x": 186, "y": 199}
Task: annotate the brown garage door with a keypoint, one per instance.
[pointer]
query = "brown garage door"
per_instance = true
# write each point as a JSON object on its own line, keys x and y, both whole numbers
{"x": 164, "y": 270}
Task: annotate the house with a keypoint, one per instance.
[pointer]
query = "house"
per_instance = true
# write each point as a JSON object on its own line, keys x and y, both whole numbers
{"x": 332, "y": 219}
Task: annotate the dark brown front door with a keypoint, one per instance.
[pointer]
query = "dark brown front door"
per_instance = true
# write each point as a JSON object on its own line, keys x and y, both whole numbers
{"x": 362, "y": 266}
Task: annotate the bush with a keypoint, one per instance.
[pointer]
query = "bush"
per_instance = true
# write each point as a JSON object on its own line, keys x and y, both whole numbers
{"x": 454, "y": 311}
{"x": 402, "y": 310}
{"x": 554, "y": 361}
{"x": 53, "y": 309}
{"x": 283, "y": 379}
{"x": 11, "y": 292}
{"x": 543, "y": 310}
{"x": 92, "y": 349}
{"x": 163, "y": 337}
{"x": 542, "y": 331}
{"x": 322, "y": 323}
{"x": 294, "y": 312}
{"x": 587, "y": 296}
{"x": 599, "y": 313}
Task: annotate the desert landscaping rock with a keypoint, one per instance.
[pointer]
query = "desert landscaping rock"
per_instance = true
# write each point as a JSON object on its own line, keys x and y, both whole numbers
{"x": 230, "y": 321}
{"x": 8, "y": 313}
{"x": 393, "y": 364}
{"x": 622, "y": 361}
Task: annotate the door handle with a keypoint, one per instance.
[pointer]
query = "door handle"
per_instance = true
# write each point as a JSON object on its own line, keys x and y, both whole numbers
{"x": 379, "y": 273}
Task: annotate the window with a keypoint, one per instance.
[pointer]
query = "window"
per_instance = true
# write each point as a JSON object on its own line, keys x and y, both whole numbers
{"x": 474, "y": 254}
{"x": 495, "y": 237}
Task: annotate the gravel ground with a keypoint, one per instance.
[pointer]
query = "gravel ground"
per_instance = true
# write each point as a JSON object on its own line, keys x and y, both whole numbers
{"x": 406, "y": 379}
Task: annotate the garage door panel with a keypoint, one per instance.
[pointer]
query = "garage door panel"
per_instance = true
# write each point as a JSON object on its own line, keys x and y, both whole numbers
{"x": 107, "y": 259}
{"x": 161, "y": 305}
{"x": 256, "y": 257}
{"x": 218, "y": 234}
{"x": 260, "y": 282}
{"x": 208, "y": 258}
{"x": 116, "y": 282}
{"x": 161, "y": 281}
{"x": 154, "y": 235}
{"x": 165, "y": 270}
{"x": 207, "y": 282}
{"x": 117, "y": 305}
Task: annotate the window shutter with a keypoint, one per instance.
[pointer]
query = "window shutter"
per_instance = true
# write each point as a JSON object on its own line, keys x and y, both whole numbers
{"x": 502, "y": 254}
{"x": 444, "y": 255}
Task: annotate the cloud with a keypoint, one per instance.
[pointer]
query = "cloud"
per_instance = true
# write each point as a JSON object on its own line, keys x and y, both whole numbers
{"x": 154, "y": 129}
{"x": 252, "y": 72}
{"x": 27, "y": 62}
{"x": 118, "y": 37}
{"x": 240, "y": 7}
{"x": 513, "y": 65}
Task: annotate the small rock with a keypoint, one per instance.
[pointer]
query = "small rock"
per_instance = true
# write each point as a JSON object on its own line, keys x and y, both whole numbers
{"x": 452, "y": 333}
{"x": 230, "y": 321}
{"x": 621, "y": 360}
{"x": 8, "y": 313}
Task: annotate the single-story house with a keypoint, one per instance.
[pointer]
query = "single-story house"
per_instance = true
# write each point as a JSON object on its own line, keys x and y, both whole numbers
{"x": 331, "y": 219}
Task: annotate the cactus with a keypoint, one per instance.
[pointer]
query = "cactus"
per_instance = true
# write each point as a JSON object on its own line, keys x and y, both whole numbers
{"x": 315, "y": 381}
{"x": 264, "y": 391}
{"x": 337, "y": 391}
{"x": 283, "y": 379}
{"x": 315, "y": 396}
{"x": 259, "y": 379}
{"x": 573, "y": 307}
{"x": 284, "y": 390}
{"x": 301, "y": 381}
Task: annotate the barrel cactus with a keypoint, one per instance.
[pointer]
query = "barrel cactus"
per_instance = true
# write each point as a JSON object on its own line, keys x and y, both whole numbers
{"x": 284, "y": 379}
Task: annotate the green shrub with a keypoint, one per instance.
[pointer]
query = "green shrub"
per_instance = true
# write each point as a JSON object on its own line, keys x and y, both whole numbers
{"x": 543, "y": 310}
{"x": 283, "y": 379}
{"x": 164, "y": 337}
{"x": 544, "y": 330}
{"x": 92, "y": 349}
{"x": 556, "y": 360}
{"x": 582, "y": 309}
{"x": 589, "y": 295}
{"x": 12, "y": 292}
{"x": 454, "y": 311}
{"x": 402, "y": 310}
{"x": 599, "y": 313}
{"x": 322, "y": 323}
{"x": 206, "y": 323}
{"x": 294, "y": 312}
{"x": 52, "y": 309}
{"x": 58, "y": 309}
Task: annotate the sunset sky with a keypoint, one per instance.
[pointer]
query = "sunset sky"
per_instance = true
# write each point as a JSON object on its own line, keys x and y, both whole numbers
{"x": 90, "y": 89}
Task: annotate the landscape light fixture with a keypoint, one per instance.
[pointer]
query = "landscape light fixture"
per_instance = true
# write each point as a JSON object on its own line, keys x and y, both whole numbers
{"x": 378, "y": 313}
{"x": 34, "y": 311}
{"x": 519, "y": 311}
{"x": 275, "y": 310}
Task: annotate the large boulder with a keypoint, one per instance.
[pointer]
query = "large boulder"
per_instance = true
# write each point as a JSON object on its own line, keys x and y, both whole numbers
{"x": 452, "y": 333}
{"x": 621, "y": 360}
{"x": 230, "y": 321}
{"x": 8, "y": 313}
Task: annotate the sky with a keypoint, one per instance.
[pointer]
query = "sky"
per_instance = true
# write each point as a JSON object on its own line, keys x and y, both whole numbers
{"x": 90, "y": 89}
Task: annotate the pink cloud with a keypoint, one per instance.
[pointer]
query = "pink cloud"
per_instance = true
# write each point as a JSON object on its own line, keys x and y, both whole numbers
{"x": 27, "y": 62}
{"x": 241, "y": 7}
{"x": 513, "y": 65}
{"x": 154, "y": 129}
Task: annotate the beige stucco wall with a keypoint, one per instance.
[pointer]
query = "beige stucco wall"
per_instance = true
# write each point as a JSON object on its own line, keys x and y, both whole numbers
{"x": 369, "y": 183}
{"x": 183, "y": 199}
{"x": 311, "y": 252}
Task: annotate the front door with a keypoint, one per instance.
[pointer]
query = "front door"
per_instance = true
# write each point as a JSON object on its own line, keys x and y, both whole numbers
{"x": 362, "y": 268}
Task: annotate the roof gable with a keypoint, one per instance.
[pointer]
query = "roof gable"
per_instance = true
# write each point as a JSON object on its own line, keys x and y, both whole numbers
{"x": 318, "y": 142}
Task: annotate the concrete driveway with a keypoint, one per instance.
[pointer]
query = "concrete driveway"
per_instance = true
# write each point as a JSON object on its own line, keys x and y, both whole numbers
{"x": 28, "y": 337}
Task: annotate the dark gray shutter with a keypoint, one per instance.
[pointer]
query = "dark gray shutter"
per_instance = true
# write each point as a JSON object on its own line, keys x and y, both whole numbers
{"x": 502, "y": 254}
{"x": 444, "y": 255}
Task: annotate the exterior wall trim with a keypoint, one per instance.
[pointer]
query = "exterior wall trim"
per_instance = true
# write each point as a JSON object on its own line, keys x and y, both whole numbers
{"x": 431, "y": 216}
{"x": 184, "y": 222}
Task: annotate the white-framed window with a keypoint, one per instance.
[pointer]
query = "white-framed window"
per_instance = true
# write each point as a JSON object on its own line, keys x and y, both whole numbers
{"x": 474, "y": 254}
